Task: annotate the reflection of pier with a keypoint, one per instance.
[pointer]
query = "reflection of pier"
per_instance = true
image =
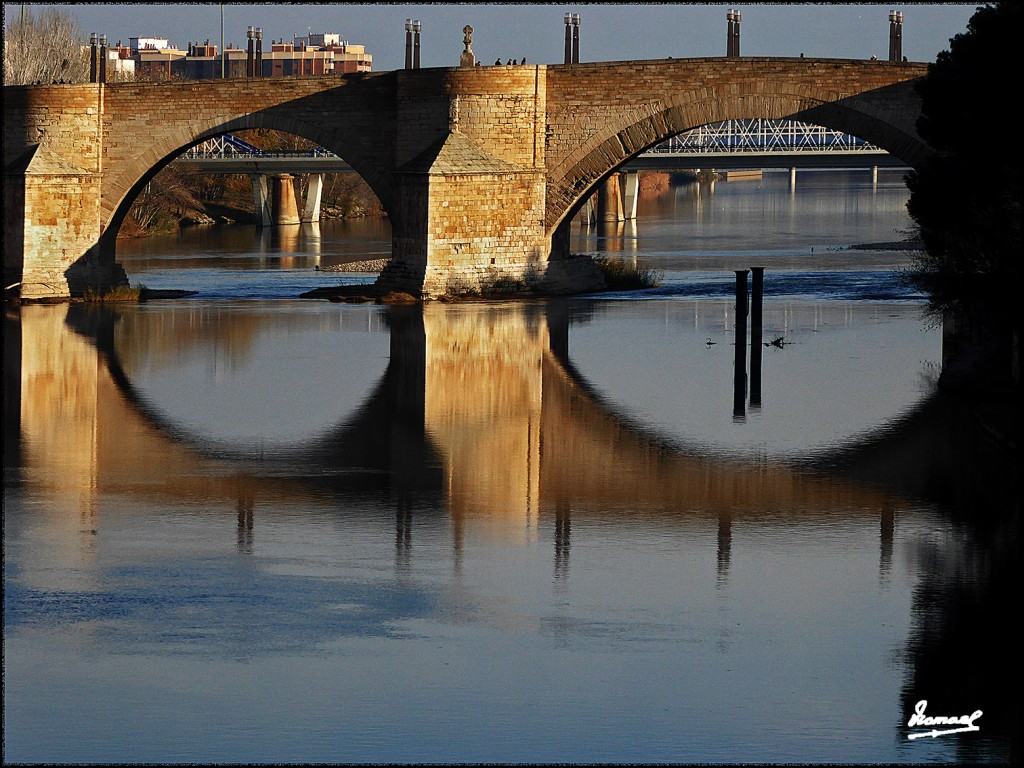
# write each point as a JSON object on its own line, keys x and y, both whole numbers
{"x": 480, "y": 413}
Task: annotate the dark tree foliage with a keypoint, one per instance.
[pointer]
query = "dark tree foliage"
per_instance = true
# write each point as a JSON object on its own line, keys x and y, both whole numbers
{"x": 966, "y": 201}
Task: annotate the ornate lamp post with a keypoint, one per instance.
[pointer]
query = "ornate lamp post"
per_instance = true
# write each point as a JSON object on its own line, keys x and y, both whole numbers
{"x": 259, "y": 52}
{"x": 895, "y": 35}
{"x": 568, "y": 38}
{"x": 416, "y": 27}
{"x": 575, "y": 38}
{"x": 103, "y": 58}
{"x": 94, "y": 69}
{"x": 408, "y": 43}
{"x": 250, "y": 33}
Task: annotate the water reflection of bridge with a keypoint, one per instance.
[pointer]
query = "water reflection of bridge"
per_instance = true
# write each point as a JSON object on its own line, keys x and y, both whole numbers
{"x": 479, "y": 413}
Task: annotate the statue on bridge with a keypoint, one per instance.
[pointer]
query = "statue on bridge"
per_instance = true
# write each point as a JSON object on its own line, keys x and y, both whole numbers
{"x": 468, "y": 59}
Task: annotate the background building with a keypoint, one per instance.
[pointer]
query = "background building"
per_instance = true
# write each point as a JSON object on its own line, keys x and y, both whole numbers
{"x": 155, "y": 58}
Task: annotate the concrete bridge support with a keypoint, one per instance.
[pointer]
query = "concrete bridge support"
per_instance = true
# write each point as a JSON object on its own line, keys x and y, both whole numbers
{"x": 609, "y": 200}
{"x": 314, "y": 191}
{"x": 614, "y": 200}
{"x": 284, "y": 208}
{"x": 261, "y": 199}
{"x": 630, "y": 192}
{"x": 276, "y": 199}
{"x": 588, "y": 213}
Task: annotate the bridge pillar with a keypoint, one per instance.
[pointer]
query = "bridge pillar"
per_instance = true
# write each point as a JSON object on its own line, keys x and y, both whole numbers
{"x": 609, "y": 201}
{"x": 314, "y": 191}
{"x": 739, "y": 382}
{"x": 285, "y": 208}
{"x": 261, "y": 199}
{"x": 53, "y": 248}
{"x": 471, "y": 191}
{"x": 588, "y": 212}
{"x": 630, "y": 193}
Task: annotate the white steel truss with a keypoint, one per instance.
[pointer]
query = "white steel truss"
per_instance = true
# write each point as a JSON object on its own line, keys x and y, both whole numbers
{"x": 760, "y": 135}
{"x": 756, "y": 135}
{"x": 227, "y": 146}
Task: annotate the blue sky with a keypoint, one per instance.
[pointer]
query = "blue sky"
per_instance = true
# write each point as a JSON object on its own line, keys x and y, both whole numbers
{"x": 609, "y": 32}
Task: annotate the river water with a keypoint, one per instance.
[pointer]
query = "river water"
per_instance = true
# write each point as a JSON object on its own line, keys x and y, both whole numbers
{"x": 246, "y": 527}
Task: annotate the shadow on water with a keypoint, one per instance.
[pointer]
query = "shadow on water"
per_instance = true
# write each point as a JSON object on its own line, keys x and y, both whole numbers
{"x": 965, "y": 648}
{"x": 480, "y": 409}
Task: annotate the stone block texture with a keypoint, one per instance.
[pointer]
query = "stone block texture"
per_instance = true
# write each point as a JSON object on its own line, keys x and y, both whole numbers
{"x": 478, "y": 168}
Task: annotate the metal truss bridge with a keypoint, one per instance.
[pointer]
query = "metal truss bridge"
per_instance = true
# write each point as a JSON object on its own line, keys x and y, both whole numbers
{"x": 731, "y": 144}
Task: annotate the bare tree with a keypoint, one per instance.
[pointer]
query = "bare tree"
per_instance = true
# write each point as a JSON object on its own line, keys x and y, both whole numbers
{"x": 44, "y": 49}
{"x": 169, "y": 195}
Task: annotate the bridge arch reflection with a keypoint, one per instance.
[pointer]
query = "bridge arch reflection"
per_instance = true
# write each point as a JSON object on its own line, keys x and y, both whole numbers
{"x": 479, "y": 413}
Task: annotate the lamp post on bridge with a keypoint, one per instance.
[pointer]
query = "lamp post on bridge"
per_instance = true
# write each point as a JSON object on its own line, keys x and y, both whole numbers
{"x": 259, "y": 52}
{"x": 416, "y": 27}
{"x": 408, "y": 43}
{"x": 250, "y": 34}
{"x": 732, "y": 46}
{"x": 103, "y": 58}
{"x": 94, "y": 68}
{"x": 895, "y": 35}
{"x": 568, "y": 38}
{"x": 575, "y": 38}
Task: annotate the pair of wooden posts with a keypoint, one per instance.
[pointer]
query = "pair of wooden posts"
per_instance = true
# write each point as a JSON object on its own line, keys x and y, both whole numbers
{"x": 740, "y": 368}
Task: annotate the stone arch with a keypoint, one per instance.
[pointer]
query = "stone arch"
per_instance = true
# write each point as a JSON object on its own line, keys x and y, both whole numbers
{"x": 121, "y": 191}
{"x": 879, "y": 116}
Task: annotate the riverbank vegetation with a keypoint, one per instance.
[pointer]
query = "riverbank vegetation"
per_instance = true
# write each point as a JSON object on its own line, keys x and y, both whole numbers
{"x": 970, "y": 225}
{"x": 117, "y": 294}
{"x": 965, "y": 202}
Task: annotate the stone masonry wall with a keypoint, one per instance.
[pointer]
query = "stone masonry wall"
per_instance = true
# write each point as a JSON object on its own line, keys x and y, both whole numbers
{"x": 51, "y": 208}
{"x": 503, "y": 110}
{"x": 147, "y": 124}
{"x": 599, "y": 115}
{"x": 485, "y": 233}
{"x": 66, "y": 119}
{"x": 61, "y": 226}
{"x": 476, "y": 167}
{"x": 482, "y": 184}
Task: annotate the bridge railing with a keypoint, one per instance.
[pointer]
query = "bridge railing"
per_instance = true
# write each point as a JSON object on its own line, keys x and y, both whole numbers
{"x": 228, "y": 146}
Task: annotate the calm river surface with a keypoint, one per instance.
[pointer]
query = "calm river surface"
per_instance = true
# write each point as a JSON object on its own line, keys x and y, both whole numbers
{"x": 246, "y": 527}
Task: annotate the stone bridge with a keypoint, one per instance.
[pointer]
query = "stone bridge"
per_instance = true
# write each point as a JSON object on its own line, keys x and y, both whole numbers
{"x": 479, "y": 169}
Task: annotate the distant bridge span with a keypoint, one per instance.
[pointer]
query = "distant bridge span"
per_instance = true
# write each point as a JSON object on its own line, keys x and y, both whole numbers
{"x": 478, "y": 168}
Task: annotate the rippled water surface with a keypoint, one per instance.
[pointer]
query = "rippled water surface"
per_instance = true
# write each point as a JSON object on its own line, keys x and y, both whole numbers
{"x": 245, "y": 527}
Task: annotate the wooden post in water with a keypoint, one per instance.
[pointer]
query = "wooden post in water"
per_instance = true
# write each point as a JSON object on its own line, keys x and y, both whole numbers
{"x": 756, "y": 301}
{"x": 739, "y": 383}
